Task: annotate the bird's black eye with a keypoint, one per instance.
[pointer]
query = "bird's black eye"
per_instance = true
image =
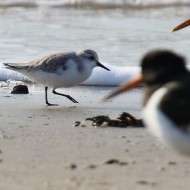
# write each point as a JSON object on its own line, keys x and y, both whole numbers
{"x": 64, "y": 67}
{"x": 92, "y": 58}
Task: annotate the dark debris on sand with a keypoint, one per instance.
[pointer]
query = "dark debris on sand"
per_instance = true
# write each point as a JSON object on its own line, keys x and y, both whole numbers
{"x": 124, "y": 120}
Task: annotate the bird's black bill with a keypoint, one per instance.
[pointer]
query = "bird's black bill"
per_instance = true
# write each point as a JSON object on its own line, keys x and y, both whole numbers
{"x": 100, "y": 65}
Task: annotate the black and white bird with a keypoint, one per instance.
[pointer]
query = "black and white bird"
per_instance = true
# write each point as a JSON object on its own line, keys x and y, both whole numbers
{"x": 59, "y": 70}
{"x": 166, "y": 104}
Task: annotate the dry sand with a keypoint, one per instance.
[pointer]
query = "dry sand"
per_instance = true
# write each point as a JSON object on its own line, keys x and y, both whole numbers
{"x": 41, "y": 150}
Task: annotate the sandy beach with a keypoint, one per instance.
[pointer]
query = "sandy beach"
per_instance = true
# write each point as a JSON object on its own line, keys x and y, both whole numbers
{"x": 39, "y": 147}
{"x": 41, "y": 150}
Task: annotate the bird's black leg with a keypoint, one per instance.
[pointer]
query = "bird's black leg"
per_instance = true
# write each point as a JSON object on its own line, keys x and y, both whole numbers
{"x": 67, "y": 96}
{"x": 46, "y": 98}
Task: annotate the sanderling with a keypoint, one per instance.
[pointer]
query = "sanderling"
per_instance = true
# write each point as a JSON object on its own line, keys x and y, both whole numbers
{"x": 59, "y": 70}
{"x": 167, "y": 97}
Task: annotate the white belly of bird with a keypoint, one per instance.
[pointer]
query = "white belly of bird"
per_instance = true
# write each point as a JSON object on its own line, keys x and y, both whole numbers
{"x": 65, "y": 79}
{"x": 162, "y": 127}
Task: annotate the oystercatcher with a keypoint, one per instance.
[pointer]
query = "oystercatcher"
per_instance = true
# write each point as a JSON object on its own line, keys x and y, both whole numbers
{"x": 166, "y": 109}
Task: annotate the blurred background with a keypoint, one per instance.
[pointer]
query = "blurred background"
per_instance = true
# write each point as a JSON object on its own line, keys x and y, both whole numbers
{"x": 121, "y": 31}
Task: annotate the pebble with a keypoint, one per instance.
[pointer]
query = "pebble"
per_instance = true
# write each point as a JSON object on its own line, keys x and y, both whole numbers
{"x": 172, "y": 163}
{"x": 115, "y": 161}
{"x": 72, "y": 166}
{"x": 20, "y": 89}
{"x": 91, "y": 166}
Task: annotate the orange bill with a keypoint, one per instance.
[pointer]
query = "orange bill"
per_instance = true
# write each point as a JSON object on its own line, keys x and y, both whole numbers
{"x": 136, "y": 81}
{"x": 182, "y": 25}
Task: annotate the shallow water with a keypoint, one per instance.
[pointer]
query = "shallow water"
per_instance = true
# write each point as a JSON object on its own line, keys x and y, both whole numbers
{"x": 120, "y": 35}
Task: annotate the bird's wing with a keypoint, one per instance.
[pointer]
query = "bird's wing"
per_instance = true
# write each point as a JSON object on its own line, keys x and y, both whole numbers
{"x": 50, "y": 63}
{"x": 53, "y": 62}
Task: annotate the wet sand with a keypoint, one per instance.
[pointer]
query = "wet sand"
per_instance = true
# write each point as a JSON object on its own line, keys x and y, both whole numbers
{"x": 41, "y": 150}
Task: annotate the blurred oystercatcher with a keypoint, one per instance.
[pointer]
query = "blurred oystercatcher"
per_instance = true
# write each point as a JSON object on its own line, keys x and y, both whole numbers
{"x": 167, "y": 97}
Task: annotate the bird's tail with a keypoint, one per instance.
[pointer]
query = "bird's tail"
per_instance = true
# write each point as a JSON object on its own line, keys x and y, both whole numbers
{"x": 15, "y": 66}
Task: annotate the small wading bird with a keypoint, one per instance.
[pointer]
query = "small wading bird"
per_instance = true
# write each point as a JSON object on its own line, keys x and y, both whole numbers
{"x": 166, "y": 109}
{"x": 59, "y": 70}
